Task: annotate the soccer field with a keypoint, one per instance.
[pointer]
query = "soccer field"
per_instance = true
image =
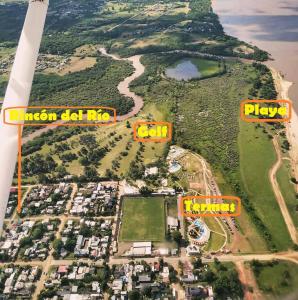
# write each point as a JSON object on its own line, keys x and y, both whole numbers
{"x": 143, "y": 219}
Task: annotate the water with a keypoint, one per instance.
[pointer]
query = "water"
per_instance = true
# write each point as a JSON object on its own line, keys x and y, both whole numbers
{"x": 184, "y": 70}
{"x": 272, "y": 25}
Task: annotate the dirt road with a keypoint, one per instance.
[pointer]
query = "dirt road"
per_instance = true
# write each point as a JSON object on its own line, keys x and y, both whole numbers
{"x": 251, "y": 290}
{"x": 278, "y": 195}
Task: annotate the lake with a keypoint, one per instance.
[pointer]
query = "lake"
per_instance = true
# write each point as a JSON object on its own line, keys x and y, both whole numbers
{"x": 272, "y": 25}
{"x": 184, "y": 70}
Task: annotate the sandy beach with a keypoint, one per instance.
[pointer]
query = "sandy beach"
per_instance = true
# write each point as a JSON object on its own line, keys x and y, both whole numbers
{"x": 282, "y": 87}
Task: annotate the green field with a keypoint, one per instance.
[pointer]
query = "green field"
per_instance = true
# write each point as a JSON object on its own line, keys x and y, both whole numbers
{"x": 207, "y": 67}
{"x": 277, "y": 280}
{"x": 143, "y": 219}
{"x": 288, "y": 190}
{"x": 257, "y": 156}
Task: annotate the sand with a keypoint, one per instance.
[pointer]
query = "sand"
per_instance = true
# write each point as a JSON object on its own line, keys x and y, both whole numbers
{"x": 282, "y": 87}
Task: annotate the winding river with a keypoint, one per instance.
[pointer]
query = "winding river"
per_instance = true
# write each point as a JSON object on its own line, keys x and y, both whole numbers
{"x": 123, "y": 88}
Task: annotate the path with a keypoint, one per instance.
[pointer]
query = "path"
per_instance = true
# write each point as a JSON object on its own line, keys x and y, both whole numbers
{"x": 278, "y": 195}
{"x": 248, "y": 281}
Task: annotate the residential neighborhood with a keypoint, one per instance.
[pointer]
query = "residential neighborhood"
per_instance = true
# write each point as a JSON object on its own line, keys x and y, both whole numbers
{"x": 28, "y": 240}
{"x": 95, "y": 199}
{"x": 18, "y": 282}
{"x": 87, "y": 238}
{"x": 47, "y": 200}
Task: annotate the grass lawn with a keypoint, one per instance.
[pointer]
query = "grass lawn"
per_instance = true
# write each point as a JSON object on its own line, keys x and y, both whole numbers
{"x": 143, "y": 219}
{"x": 249, "y": 239}
{"x": 288, "y": 190}
{"x": 216, "y": 239}
{"x": 215, "y": 243}
{"x": 257, "y": 156}
{"x": 207, "y": 67}
{"x": 278, "y": 280}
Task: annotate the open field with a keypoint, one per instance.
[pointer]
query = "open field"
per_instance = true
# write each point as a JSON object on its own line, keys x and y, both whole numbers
{"x": 247, "y": 240}
{"x": 217, "y": 238}
{"x": 215, "y": 243}
{"x": 288, "y": 190}
{"x": 76, "y": 64}
{"x": 143, "y": 219}
{"x": 257, "y": 156}
{"x": 277, "y": 280}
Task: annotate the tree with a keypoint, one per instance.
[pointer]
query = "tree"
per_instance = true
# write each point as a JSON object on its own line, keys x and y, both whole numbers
{"x": 134, "y": 295}
{"x": 57, "y": 245}
{"x": 208, "y": 276}
{"x": 147, "y": 291}
{"x": 91, "y": 173}
{"x": 228, "y": 285}
{"x": 26, "y": 241}
{"x": 86, "y": 231}
{"x": 145, "y": 191}
{"x": 177, "y": 237}
{"x": 37, "y": 233}
{"x": 197, "y": 264}
{"x": 70, "y": 244}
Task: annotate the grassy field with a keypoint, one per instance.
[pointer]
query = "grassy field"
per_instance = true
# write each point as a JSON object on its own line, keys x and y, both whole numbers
{"x": 288, "y": 190}
{"x": 216, "y": 238}
{"x": 248, "y": 239}
{"x": 207, "y": 67}
{"x": 257, "y": 156}
{"x": 215, "y": 243}
{"x": 278, "y": 280}
{"x": 143, "y": 219}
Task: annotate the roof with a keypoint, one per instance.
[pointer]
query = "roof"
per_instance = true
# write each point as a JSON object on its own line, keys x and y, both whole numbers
{"x": 144, "y": 278}
{"x": 62, "y": 269}
{"x": 142, "y": 244}
{"x": 172, "y": 221}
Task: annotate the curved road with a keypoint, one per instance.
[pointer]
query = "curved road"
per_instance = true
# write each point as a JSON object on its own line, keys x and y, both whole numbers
{"x": 278, "y": 195}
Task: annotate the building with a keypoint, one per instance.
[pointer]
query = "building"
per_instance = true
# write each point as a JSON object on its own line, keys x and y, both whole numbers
{"x": 173, "y": 223}
{"x": 140, "y": 249}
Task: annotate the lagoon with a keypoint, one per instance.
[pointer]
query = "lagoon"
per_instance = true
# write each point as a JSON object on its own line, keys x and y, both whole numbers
{"x": 184, "y": 70}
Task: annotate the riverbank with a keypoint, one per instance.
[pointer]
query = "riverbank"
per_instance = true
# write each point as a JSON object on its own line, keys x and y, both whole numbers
{"x": 282, "y": 87}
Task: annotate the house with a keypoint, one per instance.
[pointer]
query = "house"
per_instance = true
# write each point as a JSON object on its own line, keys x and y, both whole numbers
{"x": 196, "y": 292}
{"x": 62, "y": 270}
{"x": 151, "y": 171}
{"x": 144, "y": 278}
{"x": 189, "y": 278}
{"x": 173, "y": 223}
{"x": 117, "y": 285}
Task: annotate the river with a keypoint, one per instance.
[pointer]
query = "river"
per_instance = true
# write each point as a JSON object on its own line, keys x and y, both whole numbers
{"x": 272, "y": 25}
